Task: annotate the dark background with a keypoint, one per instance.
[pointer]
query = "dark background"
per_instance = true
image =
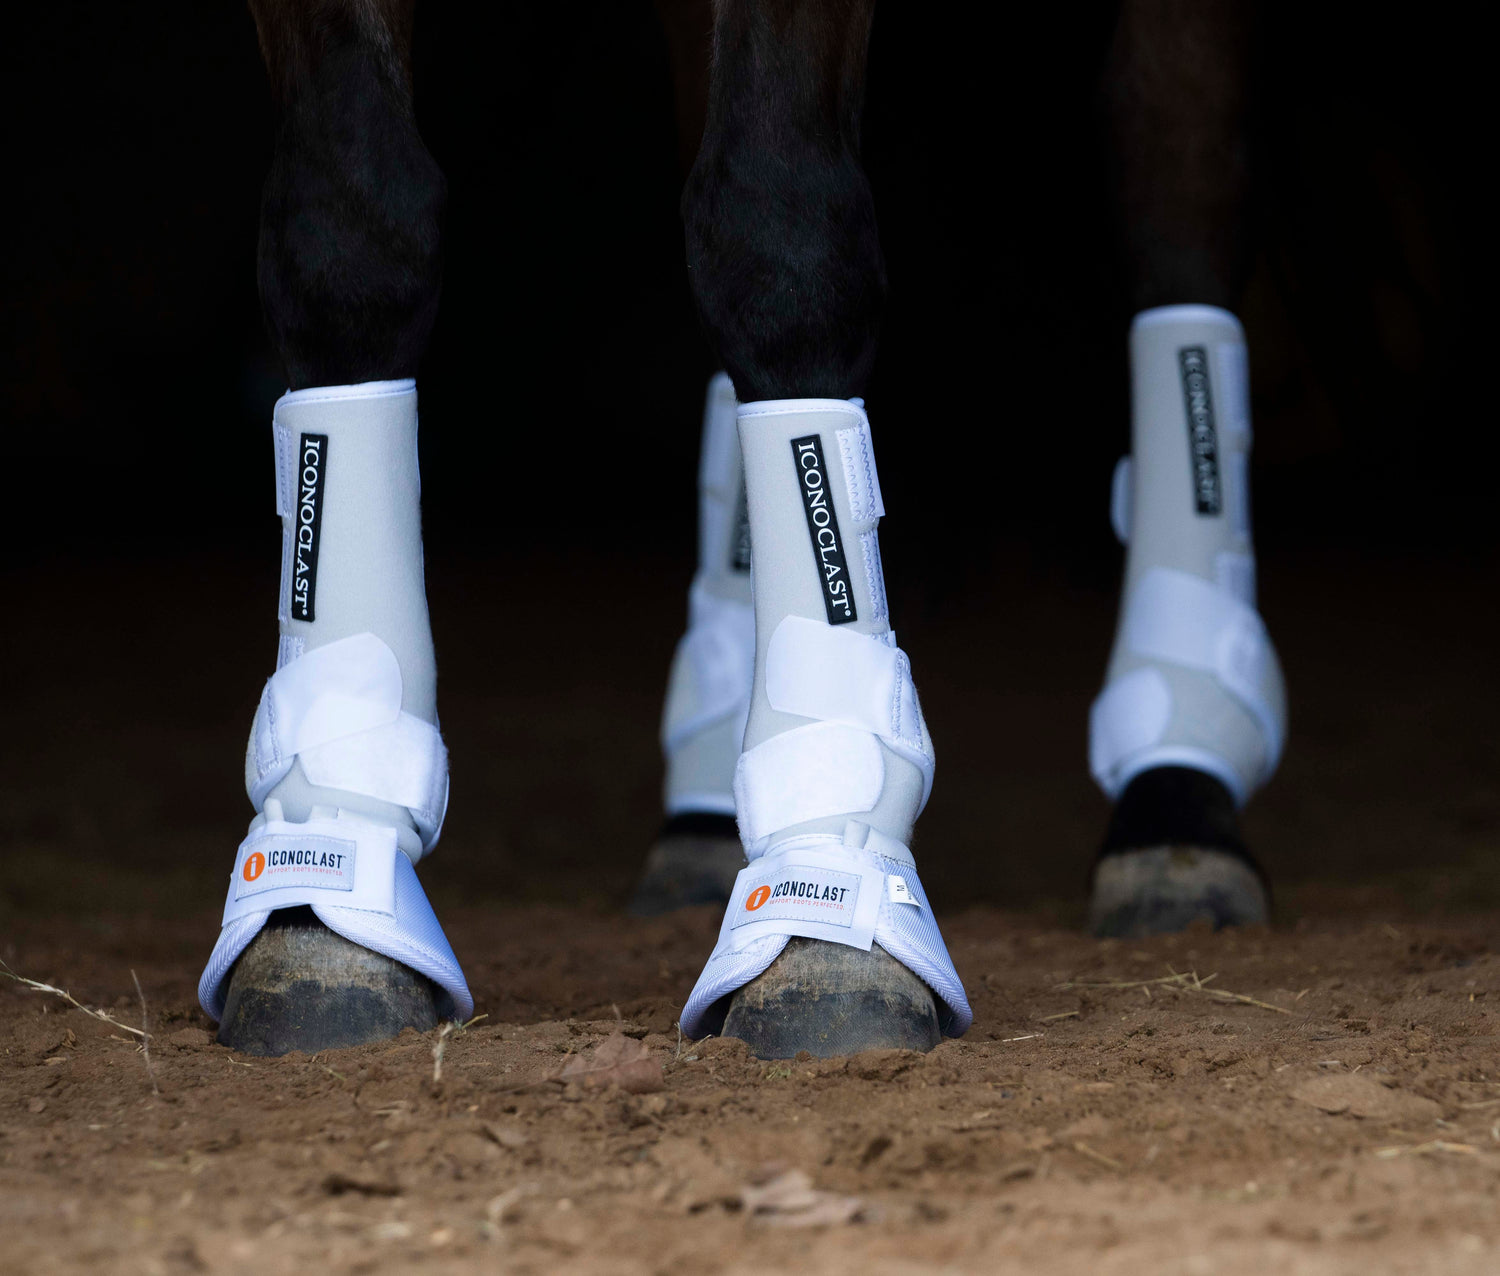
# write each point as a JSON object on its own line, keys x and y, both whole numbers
{"x": 561, "y": 394}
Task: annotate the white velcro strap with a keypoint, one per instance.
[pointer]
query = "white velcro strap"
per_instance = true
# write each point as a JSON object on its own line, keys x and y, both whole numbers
{"x": 404, "y": 762}
{"x": 338, "y": 709}
{"x": 1179, "y": 618}
{"x": 824, "y": 768}
{"x": 858, "y": 890}
{"x": 358, "y": 883}
{"x": 1128, "y": 717}
{"x": 860, "y": 476}
{"x": 330, "y": 692}
{"x": 832, "y": 674}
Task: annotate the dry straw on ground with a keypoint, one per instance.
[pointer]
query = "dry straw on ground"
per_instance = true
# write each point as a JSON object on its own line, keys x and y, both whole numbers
{"x": 1185, "y": 982}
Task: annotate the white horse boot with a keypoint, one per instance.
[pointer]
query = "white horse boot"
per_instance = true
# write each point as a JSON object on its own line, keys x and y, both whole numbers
{"x": 327, "y": 938}
{"x": 1192, "y": 716}
{"x": 697, "y": 854}
{"x": 828, "y": 943}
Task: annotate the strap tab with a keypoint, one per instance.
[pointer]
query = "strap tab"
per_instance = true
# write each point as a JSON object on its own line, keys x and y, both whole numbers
{"x": 860, "y": 476}
{"x": 341, "y": 862}
{"x": 809, "y": 886}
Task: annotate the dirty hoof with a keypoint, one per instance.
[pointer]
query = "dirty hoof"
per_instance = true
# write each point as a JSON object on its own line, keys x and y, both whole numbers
{"x": 300, "y": 986}
{"x": 694, "y": 861}
{"x": 1168, "y": 888}
{"x": 1173, "y": 856}
{"x": 830, "y": 999}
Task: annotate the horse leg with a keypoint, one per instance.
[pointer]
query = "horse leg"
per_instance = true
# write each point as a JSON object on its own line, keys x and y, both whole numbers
{"x": 328, "y": 939}
{"x": 1192, "y": 716}
{"x": 828, "y": 924}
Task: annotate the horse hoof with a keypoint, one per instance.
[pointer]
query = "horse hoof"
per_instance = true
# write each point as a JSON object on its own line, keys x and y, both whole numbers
{"x": 695, "y": 860}
{"x": 1163, "y": 889}
{"x": 300, "y": 986}
{"x": 830, "y": 999}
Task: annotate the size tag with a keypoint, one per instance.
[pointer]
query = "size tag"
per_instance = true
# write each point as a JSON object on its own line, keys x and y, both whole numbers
{"x": 898, "y": 892}
{"x": 804, "y": 890}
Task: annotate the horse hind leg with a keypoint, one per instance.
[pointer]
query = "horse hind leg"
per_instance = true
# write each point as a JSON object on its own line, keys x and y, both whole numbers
{"x": 1192, "y": 715}
{"x": 349, "y": 272}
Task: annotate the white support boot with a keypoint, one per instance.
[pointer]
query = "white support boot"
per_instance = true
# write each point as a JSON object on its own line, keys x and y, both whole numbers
{"x": 327, "y": 936}
{"x": 1192, "y": 716}
{"x": 828, "y": 943}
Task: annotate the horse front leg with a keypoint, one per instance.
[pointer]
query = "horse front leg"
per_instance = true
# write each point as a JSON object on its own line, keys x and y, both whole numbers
{"x": 828, "y": 943}
{"x": 1192, "y": 716}
{"x": 328, "y": 939}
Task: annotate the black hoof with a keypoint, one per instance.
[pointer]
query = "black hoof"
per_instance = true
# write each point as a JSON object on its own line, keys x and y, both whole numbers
{"x": 830, "y": 999}
{"x": 1173, "y": 857}
{"x": 695, "y": 860}
{"x": 300, "y": 986}
{"x": 1168, "y": 888}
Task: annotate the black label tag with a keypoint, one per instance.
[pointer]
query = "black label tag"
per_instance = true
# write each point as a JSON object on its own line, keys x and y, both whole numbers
{"x": 1203, "y": 440}
{"x": 823, "y": 527}
{"x": 739, "y": 548}
{"x": 307, "y": 519}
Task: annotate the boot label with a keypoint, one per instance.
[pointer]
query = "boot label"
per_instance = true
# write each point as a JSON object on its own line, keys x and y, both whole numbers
{"x": 272, "y": 862}
{"x": 801, "y": 892}
{"x": 817, "y": 891}
{"x": 739, "y": 548}
{"x": 1203, "y": 439}
{"x": 823, "y": 527}
{"x": 307, "y": 518}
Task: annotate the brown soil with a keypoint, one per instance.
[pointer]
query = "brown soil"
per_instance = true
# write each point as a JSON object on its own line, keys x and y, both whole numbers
{"x": 1350, "y": 1121}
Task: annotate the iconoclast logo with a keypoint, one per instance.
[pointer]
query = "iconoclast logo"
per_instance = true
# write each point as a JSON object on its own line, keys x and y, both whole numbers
{"x": 757, "y": 897}
{"x": 1203, "y": 439}
{"x": 312, "y": 473}
{"x": 823, "y": 527}
{"x": 255, "y": 865}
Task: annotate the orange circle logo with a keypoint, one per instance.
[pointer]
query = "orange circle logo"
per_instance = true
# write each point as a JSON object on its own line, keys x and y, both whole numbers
{"x": 757, "y": 897}
{"x": 254, "y": 866}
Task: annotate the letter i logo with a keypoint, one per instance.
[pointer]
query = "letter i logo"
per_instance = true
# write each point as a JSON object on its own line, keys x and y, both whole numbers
{"x": 254, "y": 866}
{"x": 757, "y": 897}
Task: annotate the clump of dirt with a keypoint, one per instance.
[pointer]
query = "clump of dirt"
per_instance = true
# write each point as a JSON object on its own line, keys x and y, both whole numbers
{"x": 1333, "y": 1101}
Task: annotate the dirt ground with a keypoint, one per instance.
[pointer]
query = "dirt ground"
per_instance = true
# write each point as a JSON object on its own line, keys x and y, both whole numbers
{"x": 1340, "y": 1111}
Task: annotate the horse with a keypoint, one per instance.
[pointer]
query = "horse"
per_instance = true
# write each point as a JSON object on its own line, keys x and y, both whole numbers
{"x": 797, "y": 757}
